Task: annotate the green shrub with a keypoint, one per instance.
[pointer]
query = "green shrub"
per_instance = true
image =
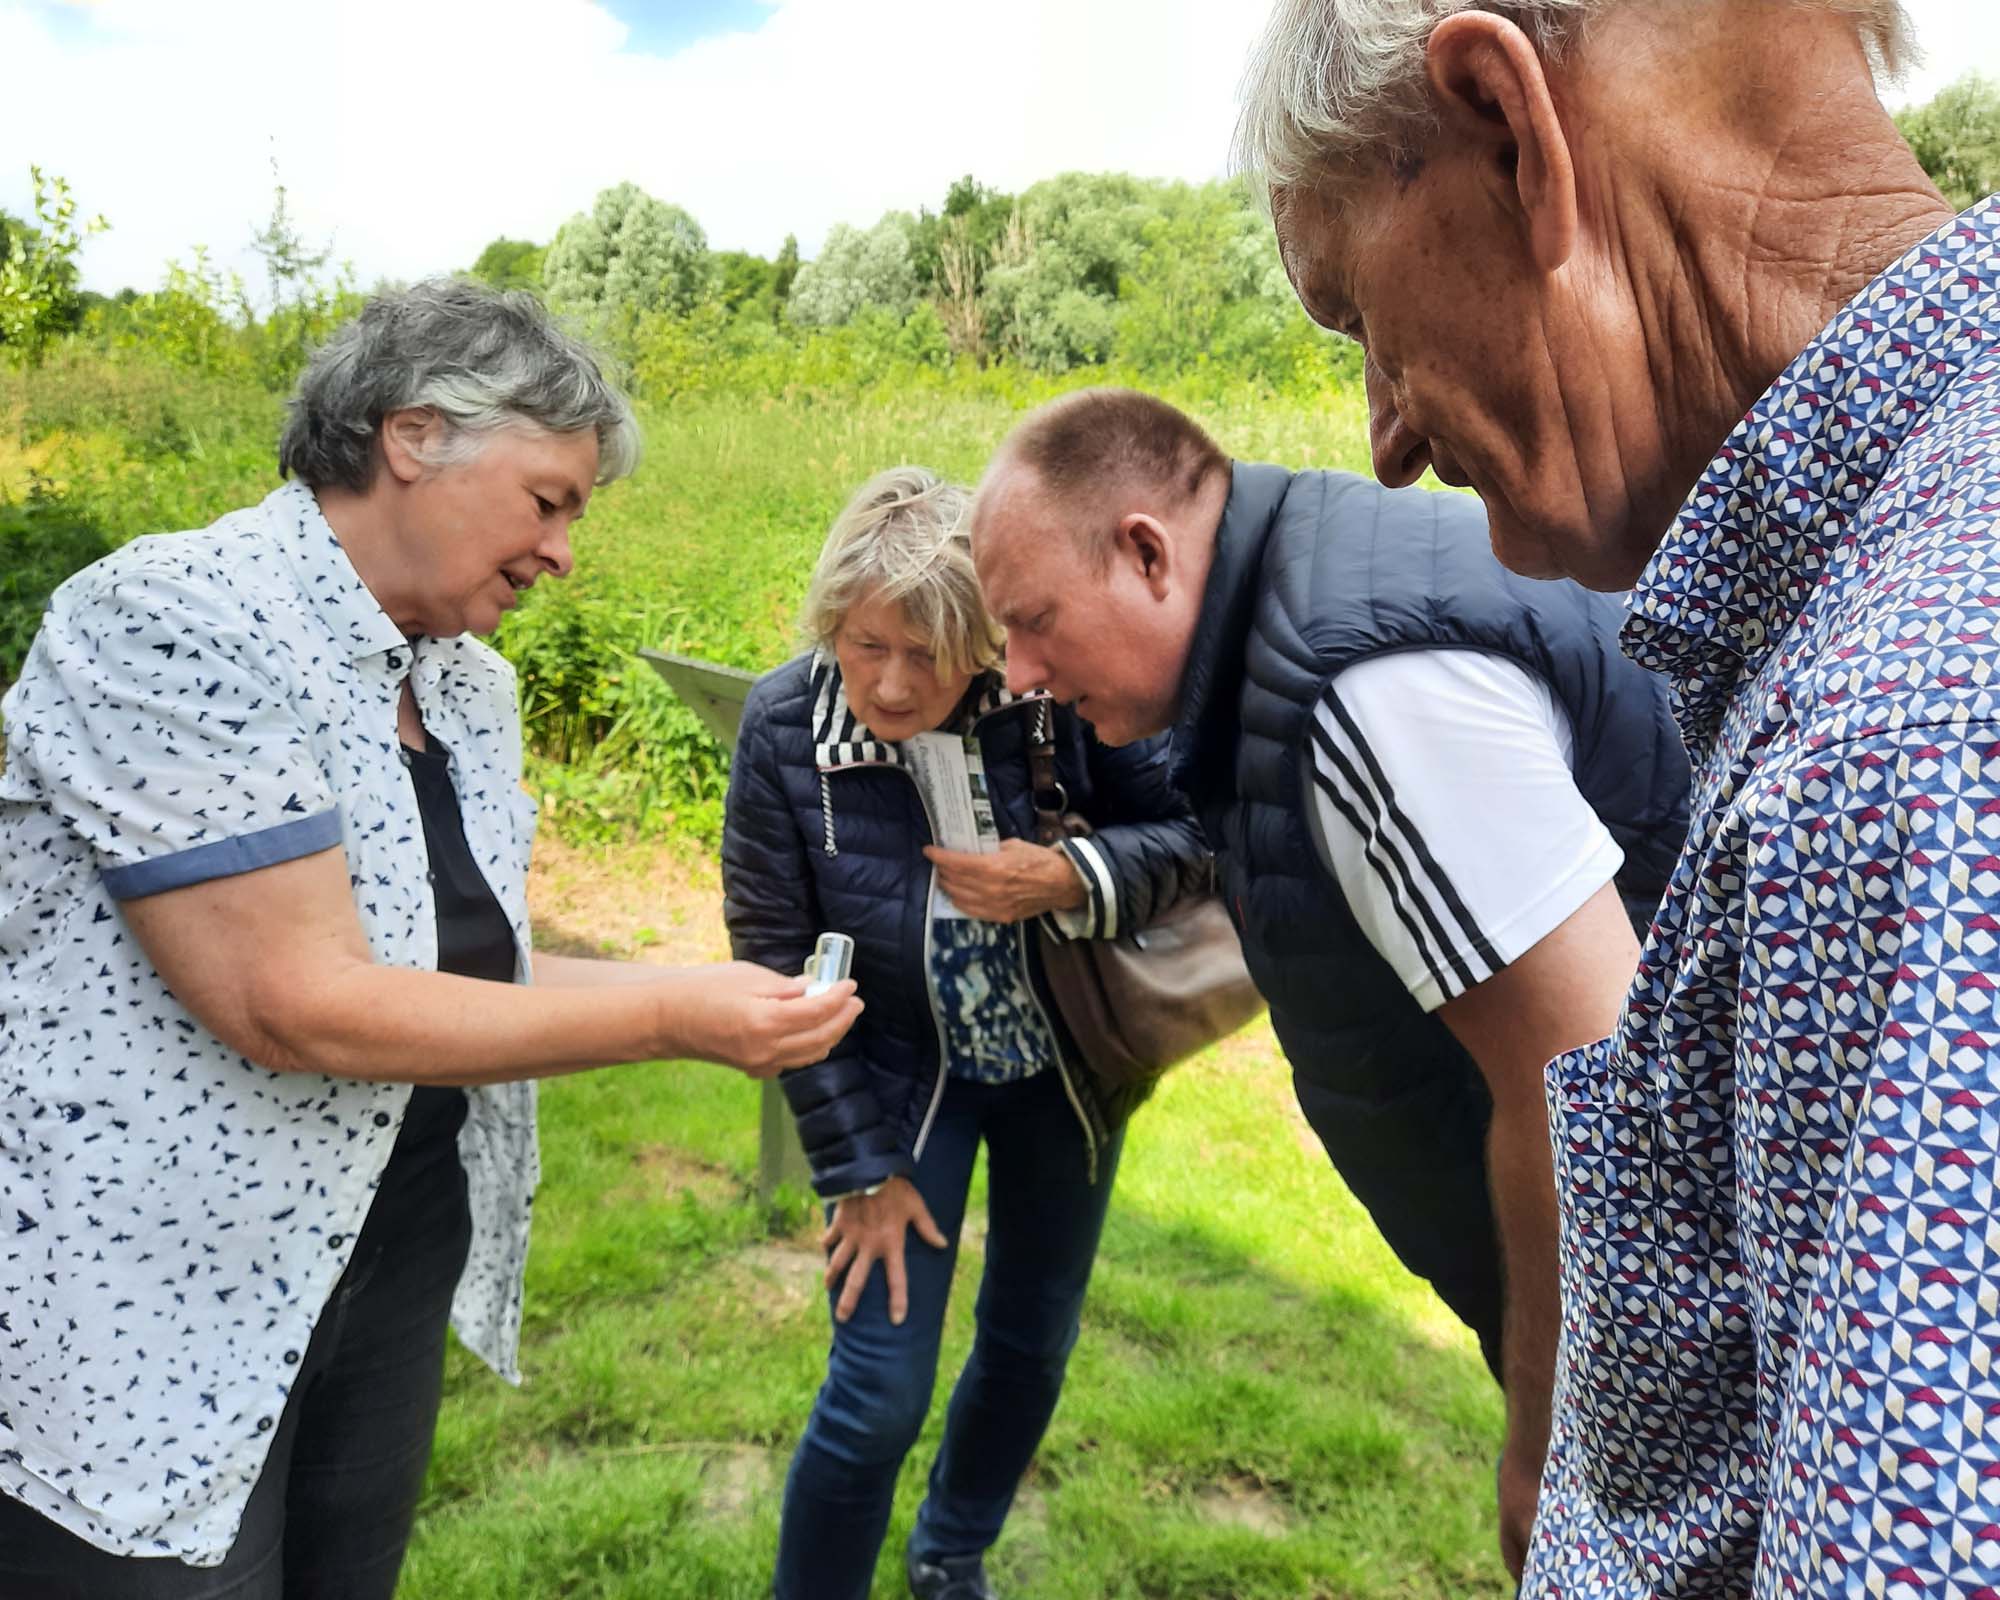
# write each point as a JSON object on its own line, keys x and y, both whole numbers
{"x": 42, "y": 541}
{"x": 612, "y": 751}
{"x": 39, "y": 299}
{"x": 136, "y": 445}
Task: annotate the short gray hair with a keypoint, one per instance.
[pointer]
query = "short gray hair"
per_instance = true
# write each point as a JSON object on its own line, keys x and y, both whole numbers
{"x": 480, "y": 359}
{"x": 905, "y": 536}
{"x": 1334, "y": 81}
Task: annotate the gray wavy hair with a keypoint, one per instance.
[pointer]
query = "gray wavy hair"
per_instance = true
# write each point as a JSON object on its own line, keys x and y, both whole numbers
{"x": 1332, "y": 81}
{"x": 906, "y": 537}
{"x": 481, "y": 359}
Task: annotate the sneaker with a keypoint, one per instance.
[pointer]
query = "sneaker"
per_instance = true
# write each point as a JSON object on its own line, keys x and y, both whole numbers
{"x": 962, "y": 1578}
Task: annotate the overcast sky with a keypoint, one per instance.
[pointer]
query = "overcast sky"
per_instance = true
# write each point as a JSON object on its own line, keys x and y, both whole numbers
{"x": 411, "y": 132}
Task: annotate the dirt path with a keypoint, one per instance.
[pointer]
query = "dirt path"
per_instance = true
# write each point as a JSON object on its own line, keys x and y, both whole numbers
{"x": 645, "y": 902}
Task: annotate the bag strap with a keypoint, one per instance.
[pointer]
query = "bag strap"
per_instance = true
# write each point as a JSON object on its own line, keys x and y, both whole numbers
{"x": 1046, "y": 792}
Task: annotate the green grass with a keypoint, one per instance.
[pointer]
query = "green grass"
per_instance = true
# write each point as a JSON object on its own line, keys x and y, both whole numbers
{"x": 1262, "y": 1404}
{"x": 714, "y": 538}
{"x": 707, "y": 552}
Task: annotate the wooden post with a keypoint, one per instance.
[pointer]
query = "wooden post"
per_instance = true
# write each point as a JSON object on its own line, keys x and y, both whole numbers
{"x": 715, "y": 694}
{"x": 781, "y": 1160}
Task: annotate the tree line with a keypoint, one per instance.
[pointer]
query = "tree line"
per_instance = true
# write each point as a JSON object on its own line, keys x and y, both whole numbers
{"x": 1084, "y": 269}
{"x": 1153, "y": 279}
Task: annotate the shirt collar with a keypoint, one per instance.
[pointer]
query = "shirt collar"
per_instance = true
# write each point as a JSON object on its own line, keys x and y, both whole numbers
{"x": 325, "y": 575}
{"x": 1750, "y": 542}
{"x": 841, "y": 739}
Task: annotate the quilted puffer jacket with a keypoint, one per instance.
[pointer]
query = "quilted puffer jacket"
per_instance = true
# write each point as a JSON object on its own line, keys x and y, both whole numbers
{"x": 825, "y": 830}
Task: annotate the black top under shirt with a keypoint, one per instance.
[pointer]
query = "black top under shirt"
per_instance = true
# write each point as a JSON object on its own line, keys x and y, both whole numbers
{"x": 474, "y": 940}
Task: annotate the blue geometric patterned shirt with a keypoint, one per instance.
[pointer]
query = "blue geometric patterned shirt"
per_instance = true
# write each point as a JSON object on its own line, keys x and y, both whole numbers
{"x": 1780, "y": 1361}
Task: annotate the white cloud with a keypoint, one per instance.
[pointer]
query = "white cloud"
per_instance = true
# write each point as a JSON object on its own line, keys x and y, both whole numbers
{"x": 413, "y": 131}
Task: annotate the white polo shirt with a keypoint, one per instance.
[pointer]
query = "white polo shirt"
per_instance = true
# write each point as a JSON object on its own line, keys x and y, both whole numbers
{"x": 172, "y": 1216}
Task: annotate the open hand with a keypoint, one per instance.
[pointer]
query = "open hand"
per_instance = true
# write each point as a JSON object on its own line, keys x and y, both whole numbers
{"x": 1018, "y": 881}
{"x": 867, "y": 1228}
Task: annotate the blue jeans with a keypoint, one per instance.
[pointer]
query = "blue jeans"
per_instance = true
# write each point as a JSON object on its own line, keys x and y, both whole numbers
{"x": 1043, "y": 1221}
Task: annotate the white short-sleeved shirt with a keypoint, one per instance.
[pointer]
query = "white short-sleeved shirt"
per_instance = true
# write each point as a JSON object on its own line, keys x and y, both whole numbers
{"x": 173, "y": 1217}
{"x": 1444, "y": 802}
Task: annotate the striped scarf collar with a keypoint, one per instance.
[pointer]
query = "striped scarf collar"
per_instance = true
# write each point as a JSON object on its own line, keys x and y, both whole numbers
{"x": 841, "y": 739}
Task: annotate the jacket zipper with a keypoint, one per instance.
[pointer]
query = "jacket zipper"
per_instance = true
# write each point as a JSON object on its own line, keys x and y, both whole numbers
{"x": 1048, "y": 1028}
{"x": 930, "y": 978}
{"x": 1028, "y": 977}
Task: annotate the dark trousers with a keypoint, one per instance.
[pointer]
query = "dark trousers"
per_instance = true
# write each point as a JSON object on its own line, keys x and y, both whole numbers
{"x": 1410, "y": 1142}
{"x": 331, "y": 1513}
{"x": 1043, "y": 1222}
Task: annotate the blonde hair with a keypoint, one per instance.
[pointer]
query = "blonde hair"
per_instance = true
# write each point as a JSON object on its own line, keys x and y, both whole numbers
{"x": 905, "y": 537}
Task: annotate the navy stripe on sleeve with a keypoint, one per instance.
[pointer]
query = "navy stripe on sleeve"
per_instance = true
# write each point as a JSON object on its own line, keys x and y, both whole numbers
{"x": 224, "y": 858}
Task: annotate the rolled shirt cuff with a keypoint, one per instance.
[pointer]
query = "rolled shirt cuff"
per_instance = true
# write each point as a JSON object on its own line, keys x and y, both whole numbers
{"x": 224, "y": 858}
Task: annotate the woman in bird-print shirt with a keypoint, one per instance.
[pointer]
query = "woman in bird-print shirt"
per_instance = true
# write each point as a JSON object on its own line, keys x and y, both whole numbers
{"x": 267, "y": 1033}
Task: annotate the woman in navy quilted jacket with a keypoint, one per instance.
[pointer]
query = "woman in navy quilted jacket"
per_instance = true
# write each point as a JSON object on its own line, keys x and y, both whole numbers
{"x": 881, "y": 789}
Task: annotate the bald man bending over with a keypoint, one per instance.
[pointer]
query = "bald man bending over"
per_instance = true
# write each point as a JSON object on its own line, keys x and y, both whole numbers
{"x": 1435, "y": 792}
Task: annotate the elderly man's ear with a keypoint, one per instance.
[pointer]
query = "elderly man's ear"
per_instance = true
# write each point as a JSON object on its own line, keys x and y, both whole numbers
{"x": 1494, "y": 101}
